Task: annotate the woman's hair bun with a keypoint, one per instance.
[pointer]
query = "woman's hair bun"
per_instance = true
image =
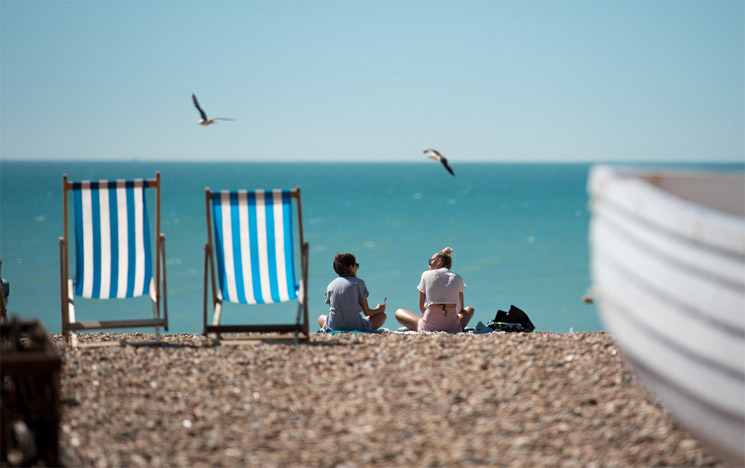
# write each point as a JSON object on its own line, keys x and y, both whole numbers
{"x": 444, "y": 254}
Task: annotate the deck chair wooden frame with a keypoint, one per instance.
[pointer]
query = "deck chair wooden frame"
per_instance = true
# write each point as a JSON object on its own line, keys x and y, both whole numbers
{"x": 113, "y": 253}
{"x": 248, "y": 215}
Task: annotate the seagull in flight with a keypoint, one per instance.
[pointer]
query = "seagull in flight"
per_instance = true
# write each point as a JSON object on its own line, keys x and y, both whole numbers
{"x": 205, "y": 121}
{"x": 435, "y": 155}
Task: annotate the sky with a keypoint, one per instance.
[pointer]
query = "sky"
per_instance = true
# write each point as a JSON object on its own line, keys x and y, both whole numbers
{"x": 373, "y": 81}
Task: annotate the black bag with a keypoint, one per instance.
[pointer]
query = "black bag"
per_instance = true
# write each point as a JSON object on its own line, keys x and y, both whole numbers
{"x": 516, "y": 320}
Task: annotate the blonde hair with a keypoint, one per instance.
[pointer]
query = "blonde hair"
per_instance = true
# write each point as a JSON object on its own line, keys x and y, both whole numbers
{"x": 445, "y": 255}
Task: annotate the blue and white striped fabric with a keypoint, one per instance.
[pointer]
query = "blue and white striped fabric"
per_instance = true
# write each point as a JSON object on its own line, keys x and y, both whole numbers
{"x": 254, "y": 245}
{"x": 112, "y": 239}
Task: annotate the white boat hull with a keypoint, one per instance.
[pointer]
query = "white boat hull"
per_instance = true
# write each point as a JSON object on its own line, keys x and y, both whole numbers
{"x": 669, "y": 277}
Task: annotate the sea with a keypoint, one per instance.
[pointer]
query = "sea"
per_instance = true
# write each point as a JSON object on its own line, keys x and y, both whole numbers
{"x": 519, "y": 232}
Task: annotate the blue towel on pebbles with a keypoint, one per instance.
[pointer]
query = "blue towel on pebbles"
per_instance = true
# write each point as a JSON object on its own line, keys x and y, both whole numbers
{"x": 480, "y": 329}
{"x": 334, "y": 332}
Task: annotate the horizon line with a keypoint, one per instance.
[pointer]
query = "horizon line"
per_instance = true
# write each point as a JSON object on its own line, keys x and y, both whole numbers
{"x": 388, "y": 161}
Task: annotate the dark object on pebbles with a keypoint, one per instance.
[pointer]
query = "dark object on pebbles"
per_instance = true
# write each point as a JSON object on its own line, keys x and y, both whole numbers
{"x": 29, "y": 395}
{"x": 515, "y": 320}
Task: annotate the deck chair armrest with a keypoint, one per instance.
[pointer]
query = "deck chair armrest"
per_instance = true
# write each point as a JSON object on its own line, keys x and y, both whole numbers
{"x": 162, "y": 260}
{"x": 205, "y": 285}
{"x": 304, "y": 278}
{"x": 304, "y": 287}
{"x": 62, "y": 257}
{"x": 62, "y": 243}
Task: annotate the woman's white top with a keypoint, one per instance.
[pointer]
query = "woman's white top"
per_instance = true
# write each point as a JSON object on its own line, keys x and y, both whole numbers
{"x": 441, "y": 286}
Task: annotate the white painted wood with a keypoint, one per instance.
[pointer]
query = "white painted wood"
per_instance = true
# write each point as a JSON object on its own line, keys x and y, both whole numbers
{"x": 668, "y": 267}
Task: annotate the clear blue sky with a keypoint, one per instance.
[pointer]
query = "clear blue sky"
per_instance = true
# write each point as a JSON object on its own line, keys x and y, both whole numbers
{"x": 480, "y": 81}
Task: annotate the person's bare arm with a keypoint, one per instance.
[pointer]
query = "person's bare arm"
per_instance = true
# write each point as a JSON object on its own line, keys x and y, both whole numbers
{"x": 370, "y": 312}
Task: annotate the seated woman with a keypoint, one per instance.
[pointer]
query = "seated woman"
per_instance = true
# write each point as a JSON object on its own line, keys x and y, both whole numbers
{"x": 347, "y": 297}
{"x": 440, "y": 299}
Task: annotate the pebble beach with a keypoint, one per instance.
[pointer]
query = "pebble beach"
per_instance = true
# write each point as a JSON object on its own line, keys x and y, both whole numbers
{"x": 537, "y": 399}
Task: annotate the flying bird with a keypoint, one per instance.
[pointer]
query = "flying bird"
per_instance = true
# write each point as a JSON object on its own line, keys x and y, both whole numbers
{"x": 205, "y": 121}
{"x": 435, "y": 155}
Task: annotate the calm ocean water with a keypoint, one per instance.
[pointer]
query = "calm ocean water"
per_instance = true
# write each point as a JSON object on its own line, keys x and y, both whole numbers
{"x": 519, "y": 232}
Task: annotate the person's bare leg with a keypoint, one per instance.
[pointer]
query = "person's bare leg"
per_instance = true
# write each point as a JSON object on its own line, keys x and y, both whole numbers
{"x": 407, "y": 319}
{"x": 465, "y": 316}
{"x": 322, "y": 320}
{"x": 377, "y": 320}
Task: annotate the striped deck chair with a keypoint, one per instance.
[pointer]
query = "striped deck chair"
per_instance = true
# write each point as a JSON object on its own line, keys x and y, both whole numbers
{"x": 254, "y": 249}
{"x": 113, "y": 257}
